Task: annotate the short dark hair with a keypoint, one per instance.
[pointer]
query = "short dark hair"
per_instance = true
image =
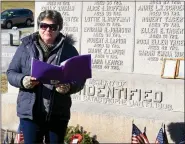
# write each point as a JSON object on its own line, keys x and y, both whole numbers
{"x": 53, "y": 15}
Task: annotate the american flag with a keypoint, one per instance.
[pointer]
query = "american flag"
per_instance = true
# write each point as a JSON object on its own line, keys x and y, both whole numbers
{"x": 165, "y": 138}
{"x": 19, "y": 136}
{"x": 137, "y": 136}
{"x": 6, "y": 140}
{"x": 145, "y": 136}
{"x": 160, "y": 138}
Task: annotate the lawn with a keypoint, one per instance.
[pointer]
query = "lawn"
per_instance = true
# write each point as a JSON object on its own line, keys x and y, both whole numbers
{"x": 18, "y": 4}
{"x": 4, "y": 83}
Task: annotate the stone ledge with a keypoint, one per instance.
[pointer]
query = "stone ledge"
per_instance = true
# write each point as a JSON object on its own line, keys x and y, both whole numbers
{"x": 113, "y": 124}
{"x": 116, "y": 110}
{"x": 136, "y": 76}
{"x": 112, "y": 110}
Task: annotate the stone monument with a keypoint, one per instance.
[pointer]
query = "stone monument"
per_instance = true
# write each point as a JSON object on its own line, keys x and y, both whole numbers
{"x": 128, "y": 42}
{"x": 8, "y": 100}
{"x": 6, "y": 39}
{"x": 16, "y": 36}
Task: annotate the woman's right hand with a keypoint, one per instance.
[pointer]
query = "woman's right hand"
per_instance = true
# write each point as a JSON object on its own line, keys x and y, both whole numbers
{"x": 29, "y": 82}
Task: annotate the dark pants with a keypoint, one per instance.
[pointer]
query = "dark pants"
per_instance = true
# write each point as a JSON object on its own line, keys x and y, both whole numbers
{"x": 35, "y": 131}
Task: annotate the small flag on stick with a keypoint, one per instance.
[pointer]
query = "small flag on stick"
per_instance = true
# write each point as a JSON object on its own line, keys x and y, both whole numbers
{"x": 6, "y": 140}
{"x": 137, "y": 136}
{"x": 162, "y": 136}
{"x": 19, "y": 136}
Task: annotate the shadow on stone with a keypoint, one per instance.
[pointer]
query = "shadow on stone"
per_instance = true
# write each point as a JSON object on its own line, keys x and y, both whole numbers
{"x": 177, "y": 131}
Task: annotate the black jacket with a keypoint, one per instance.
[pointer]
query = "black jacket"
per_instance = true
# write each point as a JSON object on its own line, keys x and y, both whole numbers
{"x": 29, "y": 101}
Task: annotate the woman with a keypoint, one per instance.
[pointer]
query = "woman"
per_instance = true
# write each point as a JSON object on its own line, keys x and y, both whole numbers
{"x": 43, "y": 109}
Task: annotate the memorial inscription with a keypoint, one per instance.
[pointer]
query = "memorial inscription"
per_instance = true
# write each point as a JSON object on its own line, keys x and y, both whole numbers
{"x": 159, "y": 34}
{"x": 71, "y": 13}
{"x": 132, "y": 37}
{"x": 118, "y": 93}
{"x": 107, "y": 34}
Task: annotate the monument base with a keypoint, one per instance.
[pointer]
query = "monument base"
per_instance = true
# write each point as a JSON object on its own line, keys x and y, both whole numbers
{"x": 113, "y": 124}
{"x": 104, "y": 108}
{"x": 9, "y": 117}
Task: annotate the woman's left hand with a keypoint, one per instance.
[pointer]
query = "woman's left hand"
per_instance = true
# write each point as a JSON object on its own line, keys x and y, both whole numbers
{"x": 62, "y": 88}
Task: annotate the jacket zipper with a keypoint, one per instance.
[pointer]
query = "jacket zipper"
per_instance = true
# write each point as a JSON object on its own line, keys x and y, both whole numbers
{"x": 51, "y": 97}
{"x": 53, "y": 89}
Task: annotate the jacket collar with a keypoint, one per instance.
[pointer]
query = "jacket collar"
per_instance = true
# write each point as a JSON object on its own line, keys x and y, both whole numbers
{"x": 33, "y": 37}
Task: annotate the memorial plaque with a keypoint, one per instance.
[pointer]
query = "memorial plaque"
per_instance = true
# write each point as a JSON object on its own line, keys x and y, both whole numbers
{"x": 71, "y": 13}
{"x": 159, "y": 34}
{"x": 143, "y": 94}
{"x": 108, "y": 34}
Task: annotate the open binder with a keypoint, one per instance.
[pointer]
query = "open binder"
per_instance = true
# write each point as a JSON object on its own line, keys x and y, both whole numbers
{"x": 77, "y": 68}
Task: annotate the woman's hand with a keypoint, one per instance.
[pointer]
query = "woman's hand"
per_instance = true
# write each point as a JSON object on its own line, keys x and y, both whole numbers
{"x": 62, "y": 88}
{"x": 29, "y": 82}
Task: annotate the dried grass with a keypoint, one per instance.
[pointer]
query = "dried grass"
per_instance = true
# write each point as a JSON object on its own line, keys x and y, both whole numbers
{"x": 4, "y": 84}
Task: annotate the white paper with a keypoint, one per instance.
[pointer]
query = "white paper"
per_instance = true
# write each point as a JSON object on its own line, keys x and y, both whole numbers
{"x": 169, "y": 69}
{"x": 181, "y": 69}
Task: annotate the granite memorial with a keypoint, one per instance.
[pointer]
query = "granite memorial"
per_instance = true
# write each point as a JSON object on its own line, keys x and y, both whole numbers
{"x": 16, "y": 36}
{"x": 128, "y": 42}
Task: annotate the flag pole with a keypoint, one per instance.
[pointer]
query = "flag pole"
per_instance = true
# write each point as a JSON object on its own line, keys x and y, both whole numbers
{"x": 145, "y": 129}
{"x": 162, "y": 125}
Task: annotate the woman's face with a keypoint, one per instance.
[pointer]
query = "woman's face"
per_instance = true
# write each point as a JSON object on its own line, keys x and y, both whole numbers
{"x": 48, "y": 30}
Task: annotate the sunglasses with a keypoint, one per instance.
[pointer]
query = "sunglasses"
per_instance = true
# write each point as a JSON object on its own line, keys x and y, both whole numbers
{"x": 53, "y": 27}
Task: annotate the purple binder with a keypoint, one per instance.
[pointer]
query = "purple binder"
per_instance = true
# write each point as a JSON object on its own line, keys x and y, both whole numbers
{"x": 76, "y": 68}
